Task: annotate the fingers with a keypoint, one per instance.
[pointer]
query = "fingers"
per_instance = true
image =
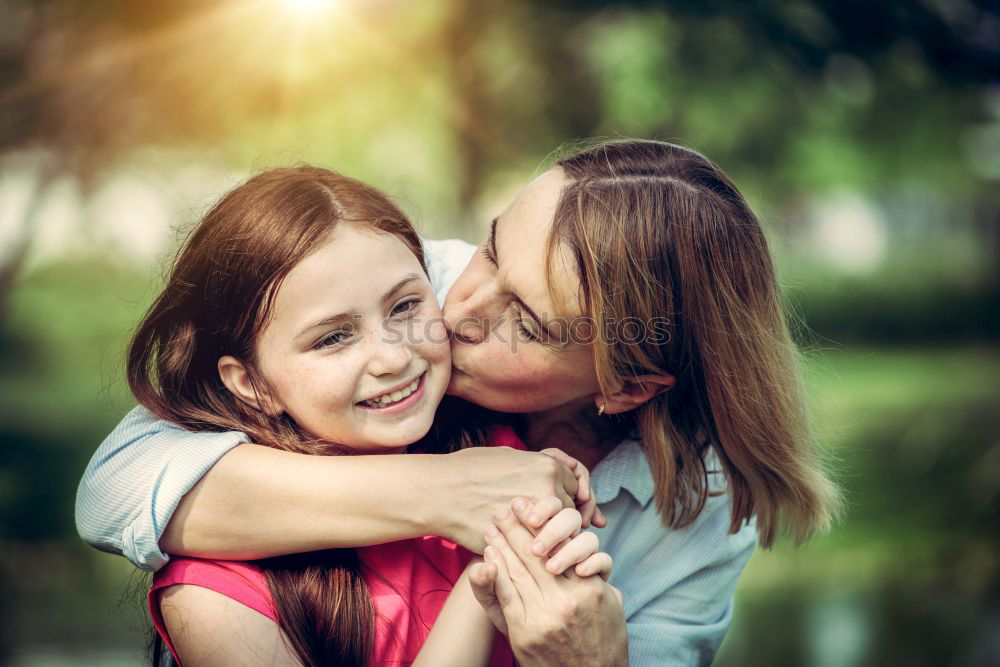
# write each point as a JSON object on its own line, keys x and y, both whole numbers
{"x": 599, "y": 563}
{"x": 570, "y": 486}
{"x": 513, "y": 543}
{"x": 599, "y": 520}
{"x": 563, "y": 526}
{"x": 506, "y": 593}
{"x": 577, "y": 550}
{"x": 587, "y": 511}
{"x": 534, "y": 516}
{"x": 482, "y": 578}
{"x": 579, "y": 471}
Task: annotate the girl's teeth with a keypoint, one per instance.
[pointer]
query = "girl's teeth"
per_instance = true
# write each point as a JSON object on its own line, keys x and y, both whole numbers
{"x": 394, "y": 397}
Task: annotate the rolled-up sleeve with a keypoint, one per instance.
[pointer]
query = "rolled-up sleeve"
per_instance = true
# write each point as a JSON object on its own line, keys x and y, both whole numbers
{"x": 136, "y": 479}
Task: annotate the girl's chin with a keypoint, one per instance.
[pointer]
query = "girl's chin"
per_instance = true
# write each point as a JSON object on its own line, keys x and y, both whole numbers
{"x": 386, "y": 440}
{"x": 391, "y": 440}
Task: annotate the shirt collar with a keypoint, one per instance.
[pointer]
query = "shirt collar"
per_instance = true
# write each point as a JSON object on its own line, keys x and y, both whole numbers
{"x": 625, "y": 468}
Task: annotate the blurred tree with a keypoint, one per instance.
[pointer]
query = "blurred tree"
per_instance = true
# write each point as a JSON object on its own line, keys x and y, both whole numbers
{"x": 791, "y": 96}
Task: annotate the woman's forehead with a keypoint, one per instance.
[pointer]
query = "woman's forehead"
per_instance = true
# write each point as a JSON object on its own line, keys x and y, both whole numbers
{"x": 522, "y": 235}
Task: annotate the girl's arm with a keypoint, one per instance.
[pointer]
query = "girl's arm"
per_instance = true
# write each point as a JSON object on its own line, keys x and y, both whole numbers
{"x": 466, "y": 628}
{"x": 152, "y": 485}
{"x": 208, "y": 628}
{"x": 462, "y": 635}
{"x": 557, "y": 609}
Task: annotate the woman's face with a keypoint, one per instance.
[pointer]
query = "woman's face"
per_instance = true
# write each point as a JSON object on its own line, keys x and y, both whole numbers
{"x": 355, "y": 350}
{"x": 512, "y": 350}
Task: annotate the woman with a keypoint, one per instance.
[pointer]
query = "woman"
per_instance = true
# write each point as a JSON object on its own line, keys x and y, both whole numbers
{"x": 701, "y": 410}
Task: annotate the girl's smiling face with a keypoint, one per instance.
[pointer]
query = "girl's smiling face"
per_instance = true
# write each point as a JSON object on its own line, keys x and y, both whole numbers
{"x": 355, "y": 350}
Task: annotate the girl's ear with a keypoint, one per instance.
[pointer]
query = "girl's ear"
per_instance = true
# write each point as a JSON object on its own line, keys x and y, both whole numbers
{"x": 237, "y": 380}
{"x": 634, "y": 393}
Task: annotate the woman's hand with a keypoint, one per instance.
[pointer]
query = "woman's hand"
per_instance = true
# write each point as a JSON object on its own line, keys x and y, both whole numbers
{"x": 486, "y": 479}
{"x": 551, "y": 619}
{"x": 585, "y": 500}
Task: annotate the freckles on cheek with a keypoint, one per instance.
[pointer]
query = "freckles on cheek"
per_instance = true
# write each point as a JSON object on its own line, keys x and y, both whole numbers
{"x": 436, "y": 333}
{"x": 308, "y": 392}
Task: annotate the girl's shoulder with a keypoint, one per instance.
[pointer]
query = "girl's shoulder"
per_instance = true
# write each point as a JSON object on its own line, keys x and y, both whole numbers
{"x": 243, "y": 582}
{"x": 502, "y": 435}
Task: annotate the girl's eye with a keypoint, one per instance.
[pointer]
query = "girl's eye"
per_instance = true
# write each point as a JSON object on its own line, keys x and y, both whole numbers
{"x": 406, "y": 306}
{"x": 333, "y": 338}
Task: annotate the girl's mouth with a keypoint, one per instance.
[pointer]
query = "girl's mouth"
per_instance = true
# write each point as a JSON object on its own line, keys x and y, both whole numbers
{"x": 397, "y": 401}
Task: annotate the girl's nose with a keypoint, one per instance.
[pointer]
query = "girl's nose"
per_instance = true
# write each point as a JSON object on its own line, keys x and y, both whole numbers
{"x": 390, "y": 357}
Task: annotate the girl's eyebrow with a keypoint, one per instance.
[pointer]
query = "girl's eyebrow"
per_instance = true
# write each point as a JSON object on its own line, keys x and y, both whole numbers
{"x": 391, "y": 292}
{"x": 347, "y": 315}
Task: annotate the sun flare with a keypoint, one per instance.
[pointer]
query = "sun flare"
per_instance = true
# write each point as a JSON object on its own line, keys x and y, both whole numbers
{"x": 309, "y": 6}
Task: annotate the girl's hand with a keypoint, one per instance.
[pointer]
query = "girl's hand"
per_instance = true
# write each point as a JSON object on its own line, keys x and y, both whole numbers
{"x": 585, "y": 500}
{"x": 558, "y": 537}
{"x": 550, "y": 619}
{"x": 472, "y": 484}
{"x": 559, "y": 527}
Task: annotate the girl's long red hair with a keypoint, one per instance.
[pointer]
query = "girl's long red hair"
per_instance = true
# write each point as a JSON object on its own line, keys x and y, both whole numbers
{"x": 217, "y": 301}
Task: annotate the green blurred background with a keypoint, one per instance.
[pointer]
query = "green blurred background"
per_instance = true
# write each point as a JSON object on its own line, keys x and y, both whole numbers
{"x": 866, "y": 134}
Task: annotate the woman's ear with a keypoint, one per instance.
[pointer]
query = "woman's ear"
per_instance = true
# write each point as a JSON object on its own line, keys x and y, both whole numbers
{"x": 635, "y": 392}
{"x": 237, "y": 380}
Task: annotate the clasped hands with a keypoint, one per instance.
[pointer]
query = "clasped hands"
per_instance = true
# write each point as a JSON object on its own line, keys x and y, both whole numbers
{"x": 543, "y": 583}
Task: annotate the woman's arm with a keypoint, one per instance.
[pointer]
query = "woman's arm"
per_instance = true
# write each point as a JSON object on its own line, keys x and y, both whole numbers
{"x": 257, "y": 501}
{"x": 152, "y": 485}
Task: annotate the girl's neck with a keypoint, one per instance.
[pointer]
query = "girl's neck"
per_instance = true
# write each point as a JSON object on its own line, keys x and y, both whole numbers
{"x": 574, "y": 428}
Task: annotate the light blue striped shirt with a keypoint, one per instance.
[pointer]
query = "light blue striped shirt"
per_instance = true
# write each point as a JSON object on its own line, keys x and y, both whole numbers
{"x": 677, "y": 585}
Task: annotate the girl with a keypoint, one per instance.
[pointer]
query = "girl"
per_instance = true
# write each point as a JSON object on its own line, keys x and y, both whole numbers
{"x": 299, "y": 312}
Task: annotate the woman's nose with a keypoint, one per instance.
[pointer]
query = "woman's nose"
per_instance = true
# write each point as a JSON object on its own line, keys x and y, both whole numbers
{"x": 465, "y": 329}
{"x": 467, "y": 314}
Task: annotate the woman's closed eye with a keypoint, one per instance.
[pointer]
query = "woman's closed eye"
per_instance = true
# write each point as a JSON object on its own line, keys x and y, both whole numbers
{"x": 526, "y": 326}
{"x": 523, "y": 330}
{"x": 488, "y": 255}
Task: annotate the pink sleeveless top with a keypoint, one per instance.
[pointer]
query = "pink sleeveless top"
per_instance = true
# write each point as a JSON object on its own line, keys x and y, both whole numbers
{"x": 409, "y": 582}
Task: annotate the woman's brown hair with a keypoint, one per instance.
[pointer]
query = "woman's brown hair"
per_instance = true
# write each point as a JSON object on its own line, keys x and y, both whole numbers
{"x": 661, "y": 236}
{"x": 217, "y": 301}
